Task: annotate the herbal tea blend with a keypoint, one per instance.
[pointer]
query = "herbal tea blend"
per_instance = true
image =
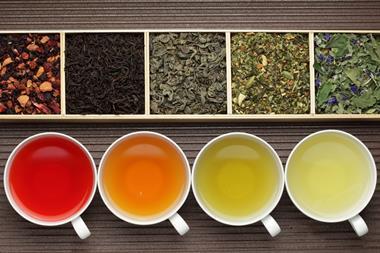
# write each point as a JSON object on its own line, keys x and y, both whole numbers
{"x": 188, "y": 73}
{"x": 105, "y": 73}
{"x": 347, "y": 73}
{"x": 270, "y": 73}
{"x": 30, "y": 74}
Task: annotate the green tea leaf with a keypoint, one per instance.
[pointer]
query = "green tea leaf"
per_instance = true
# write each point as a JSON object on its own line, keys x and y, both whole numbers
{"x": 376, "y": 94}
{"x": 318, "y": 67}
{"x": 324, "y": 92}
{"x": 374, "y": 54}
{"x": 354, "y": 75}
{"x": 287, "y": 75}
{"x": 364, "y": 101}
{"x": 250, "y": 81}
{"x": 338, "y": 41}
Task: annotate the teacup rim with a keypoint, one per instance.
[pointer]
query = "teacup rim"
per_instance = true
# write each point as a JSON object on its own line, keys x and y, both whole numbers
{"x": 18, "y": 209}
{"x": 274, "y": 202}
{"x": 125, "y": 217}
{"x": 374, "y": 179}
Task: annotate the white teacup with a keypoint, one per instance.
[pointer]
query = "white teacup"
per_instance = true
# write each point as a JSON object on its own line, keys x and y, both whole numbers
{"x": 169, "y": 214}
{"x": 47, "y": 164}
{"x": 326, "y": 155}
{"x": 229, "y": 152}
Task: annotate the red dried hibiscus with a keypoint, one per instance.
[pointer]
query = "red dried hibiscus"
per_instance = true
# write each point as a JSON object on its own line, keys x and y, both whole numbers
{"x": 30, "y": 74}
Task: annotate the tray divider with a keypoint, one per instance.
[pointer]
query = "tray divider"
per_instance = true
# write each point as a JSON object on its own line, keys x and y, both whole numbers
{"x": 228, "y": 74}
{"x": 146, "y": 73}
{"x": 63, "y": 75}
{"x": 312, "y": 73}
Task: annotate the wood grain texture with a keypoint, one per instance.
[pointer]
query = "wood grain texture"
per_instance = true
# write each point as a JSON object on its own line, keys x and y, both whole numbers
{"x": 97, "y": 14}
{"x": 112, "y": 235}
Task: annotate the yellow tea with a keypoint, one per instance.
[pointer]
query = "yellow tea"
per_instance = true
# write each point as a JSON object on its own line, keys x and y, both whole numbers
{"x": 144, "y": 176}
{"x": 236, "y": 178}
{"x": 328, "y": 175}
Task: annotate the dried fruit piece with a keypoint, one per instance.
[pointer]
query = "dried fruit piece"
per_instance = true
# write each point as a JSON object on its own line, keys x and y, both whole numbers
{"x": 46, "y": 86}
{"x": 32, "y": 47}
{"x": 55, "y": 107}
{"x": 29, "y": 83}
{"x": 42, "y": 108}
{"x": 3, "y": 70}
{"x": 3, "y": 108}
{"x": 23, "y": 99}
{"x": 25, "y": 56}
{"x": 7, "y": 61}
{"x": 44, "y": 39}
{"x": 40, "y": 71}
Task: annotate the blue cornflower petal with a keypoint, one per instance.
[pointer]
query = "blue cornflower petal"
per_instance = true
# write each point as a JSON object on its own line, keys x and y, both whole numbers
{"x": 327, "y": 36}
{"x": 332, "y": 101}
{"x": 317, "y": 82}
{"x": 330, "y": 59}
{"x": 354, "y": 88}
{"x": 321, "y": 57}
{"x": 354, "y": 41}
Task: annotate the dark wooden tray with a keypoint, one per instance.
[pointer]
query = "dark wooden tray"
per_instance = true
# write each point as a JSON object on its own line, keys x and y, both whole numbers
{"x": 110, "y": 234}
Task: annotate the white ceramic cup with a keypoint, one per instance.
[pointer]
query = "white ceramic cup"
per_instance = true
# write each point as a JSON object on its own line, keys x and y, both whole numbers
{"x": 264, "y": 216}
{"x": 356, "y": 221}
{"x": 175, "y": 219}
{"x": 79, "y": 226}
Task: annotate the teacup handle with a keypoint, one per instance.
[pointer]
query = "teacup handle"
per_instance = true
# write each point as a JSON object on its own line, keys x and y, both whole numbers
{"x": 81, "y": 228}
{"x": 179, "y": 224}
{"x": 271, "y": 225}
{"x": 359, "y": 225}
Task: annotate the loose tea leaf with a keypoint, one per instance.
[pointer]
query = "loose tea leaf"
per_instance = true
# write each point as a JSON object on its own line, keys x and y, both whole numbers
{"x": 347, "y": 73}
{"x": 270, "y": 73}
{"x": 30, "y": 74}
{"x": 105, "y": 73}
{"x": 188, "y": 73}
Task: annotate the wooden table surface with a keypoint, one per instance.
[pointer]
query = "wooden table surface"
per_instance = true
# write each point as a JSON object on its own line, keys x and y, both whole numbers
{"x": 112, "y": 235}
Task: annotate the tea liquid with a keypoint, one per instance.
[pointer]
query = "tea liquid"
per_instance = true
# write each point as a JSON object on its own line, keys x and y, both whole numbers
{"x": 328, "y": 174}
{"x": 144, "y": 176}
{"x": 236, "y": 178}
{"x": 51, "y": 178}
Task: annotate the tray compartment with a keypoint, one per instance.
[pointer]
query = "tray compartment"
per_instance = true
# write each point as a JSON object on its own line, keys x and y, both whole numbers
{"x": 104, "y": 73}
{"x": 347, "y": 70}
{"x": 270, "y": 73}
{"x": 188, "y": 73}
{"x": 30, "y": 73}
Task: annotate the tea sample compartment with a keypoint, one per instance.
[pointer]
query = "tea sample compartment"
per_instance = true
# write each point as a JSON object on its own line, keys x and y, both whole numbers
{"x": 30, "y": 78}
{"x": 187, "y": 73}
{"x": 270, "y": 73}
{"x": 347, "y": 73}
{"x": 104, "y": 73}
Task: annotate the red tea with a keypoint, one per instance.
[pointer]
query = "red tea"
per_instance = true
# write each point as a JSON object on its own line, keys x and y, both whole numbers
{"x": 51, "y": 178}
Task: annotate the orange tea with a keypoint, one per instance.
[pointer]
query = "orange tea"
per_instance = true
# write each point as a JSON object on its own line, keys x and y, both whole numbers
{"x": 144, "y": 175}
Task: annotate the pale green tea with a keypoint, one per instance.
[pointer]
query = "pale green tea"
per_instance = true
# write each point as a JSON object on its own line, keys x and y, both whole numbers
{"x": 328, "y": 175}
{"x": 236, "y": 178}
